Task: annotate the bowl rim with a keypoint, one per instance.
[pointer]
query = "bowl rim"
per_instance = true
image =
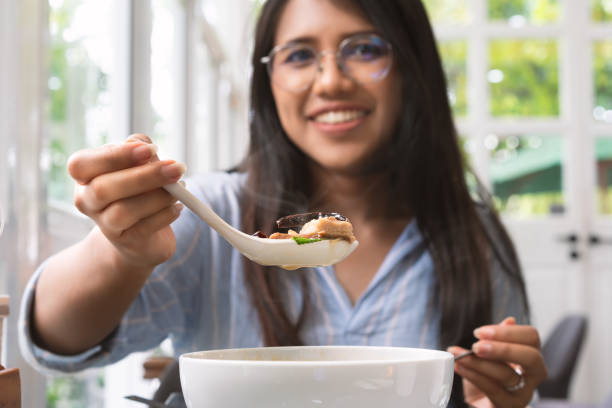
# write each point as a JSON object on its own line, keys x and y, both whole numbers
{"x": 434, "y": 355}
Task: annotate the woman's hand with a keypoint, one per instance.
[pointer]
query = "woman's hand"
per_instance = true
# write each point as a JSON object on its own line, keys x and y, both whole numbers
{"x": 119, "y": 187}
{"x": 506, "y": 369}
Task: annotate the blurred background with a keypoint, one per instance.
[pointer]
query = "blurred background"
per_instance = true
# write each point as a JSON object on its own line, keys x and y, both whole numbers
{"x": 530, "y": 83}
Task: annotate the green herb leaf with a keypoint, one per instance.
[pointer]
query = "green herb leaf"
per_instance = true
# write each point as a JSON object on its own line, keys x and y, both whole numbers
{"x": 302, "y": 240}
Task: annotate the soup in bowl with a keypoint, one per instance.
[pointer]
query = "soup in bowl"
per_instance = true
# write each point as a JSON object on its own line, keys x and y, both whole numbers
{"x": 317, "y": 376}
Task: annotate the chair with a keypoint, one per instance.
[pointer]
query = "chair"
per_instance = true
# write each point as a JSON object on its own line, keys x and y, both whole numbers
{"x": 561, "y": 350}
{"x": 556, "y": 403}
{"x": 608, "y": 402}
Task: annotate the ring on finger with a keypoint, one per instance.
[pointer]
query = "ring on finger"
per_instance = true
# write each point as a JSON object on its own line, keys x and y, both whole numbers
{"x": 520, "y": 384}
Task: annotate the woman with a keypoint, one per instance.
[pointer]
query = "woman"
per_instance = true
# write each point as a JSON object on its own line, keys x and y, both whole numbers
{"x": 349, "y": 114}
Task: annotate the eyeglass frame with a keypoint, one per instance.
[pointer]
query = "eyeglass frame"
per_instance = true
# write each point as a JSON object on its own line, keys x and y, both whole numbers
{"x": 266, "y": 60}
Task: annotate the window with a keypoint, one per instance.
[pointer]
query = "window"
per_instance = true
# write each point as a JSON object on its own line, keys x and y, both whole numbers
{"x": 513, "y": 78}
{"x": 177, "y": 69}
{"x": 85, "y": 73}
{"x": 82, "y": 81}
{"x": 601, "y": 10}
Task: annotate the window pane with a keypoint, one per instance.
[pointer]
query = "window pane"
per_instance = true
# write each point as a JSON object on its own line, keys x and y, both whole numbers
{"x": 603, "y": 153}
{"x": 602, "y": 10}
{"x": 519, "y": 12}
{"x": 82, "y": 66}
{"x": 80, "y": 391}
{"x": 165, "y": 70}
{"x": 524, "y": 78}
{"x": 454, "y": 55}
{"x": 526, "y": 173}
{"x": 80, "y": 81}
{"x": 602, "y": 64}
{"x": 448, "y": 11}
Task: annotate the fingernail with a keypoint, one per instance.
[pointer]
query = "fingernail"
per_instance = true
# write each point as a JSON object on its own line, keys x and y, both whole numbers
{"x": 482, "y": 348}
{"x": 484, "y": 333}
{"x": 178, "y": 207}
{"x": 173, "y": 170}
{"x": 144, "y": 152}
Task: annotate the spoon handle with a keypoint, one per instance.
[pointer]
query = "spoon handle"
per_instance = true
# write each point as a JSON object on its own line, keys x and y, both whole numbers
{"x": 232, "y": 235}
{"x": 466, "y": 354}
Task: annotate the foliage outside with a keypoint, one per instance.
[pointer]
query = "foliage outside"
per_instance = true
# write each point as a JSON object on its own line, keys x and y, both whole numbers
{"x": 602, "y": 10}
{"x": 75, "y": 85}
{"x": 77, "y": 93}
{"x": 532, "y": 11}
{"x": 527, "y": 83}
{"x": 448, "y": 11}
{"x": 602, "y": 65}
{"x": 74, "y": 392}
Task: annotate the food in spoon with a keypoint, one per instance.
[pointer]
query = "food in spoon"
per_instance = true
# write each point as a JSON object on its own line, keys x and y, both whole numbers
{"x": 315, "y": 227}
{"x": 265, "y": 251}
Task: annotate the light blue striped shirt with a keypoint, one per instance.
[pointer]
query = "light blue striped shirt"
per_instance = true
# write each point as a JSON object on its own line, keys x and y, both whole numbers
{"x": 199, "y": 298}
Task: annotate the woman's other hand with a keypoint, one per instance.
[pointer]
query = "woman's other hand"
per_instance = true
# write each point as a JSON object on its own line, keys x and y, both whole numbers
{"x": 119, "y": 187}
{"x": 507, "y": 367}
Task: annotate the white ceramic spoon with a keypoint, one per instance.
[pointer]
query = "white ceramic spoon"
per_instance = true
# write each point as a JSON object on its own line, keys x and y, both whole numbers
{"x": 282, "y": 252}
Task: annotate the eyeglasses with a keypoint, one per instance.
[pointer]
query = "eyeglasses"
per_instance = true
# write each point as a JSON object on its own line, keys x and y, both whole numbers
{"x": 362, "y": 57}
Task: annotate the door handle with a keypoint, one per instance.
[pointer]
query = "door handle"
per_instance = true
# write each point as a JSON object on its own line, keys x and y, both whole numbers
{"x": 572, "y": 239}
{"x": 595, "y": 240}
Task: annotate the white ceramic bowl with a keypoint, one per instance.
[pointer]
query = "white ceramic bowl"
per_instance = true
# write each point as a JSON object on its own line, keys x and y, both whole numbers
{"x": 317, "y": 376}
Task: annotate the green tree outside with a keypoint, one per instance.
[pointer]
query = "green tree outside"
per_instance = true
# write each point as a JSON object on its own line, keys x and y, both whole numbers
{"x": 602, "y": 66}
{"x": 534, "y": 11}
{"x": 528, "y": 81}
{"x": 448, "y": 11}
{"x": 601, "y": 10}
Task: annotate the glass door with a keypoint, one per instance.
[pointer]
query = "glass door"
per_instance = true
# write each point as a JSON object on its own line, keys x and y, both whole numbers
{"x": 530, "y": 89}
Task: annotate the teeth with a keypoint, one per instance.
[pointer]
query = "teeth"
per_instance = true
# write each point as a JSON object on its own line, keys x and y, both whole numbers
{"x": 333, "y": 117}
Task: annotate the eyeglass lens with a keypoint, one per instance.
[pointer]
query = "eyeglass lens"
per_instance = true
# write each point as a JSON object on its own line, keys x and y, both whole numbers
{"x": 364, "y": 58}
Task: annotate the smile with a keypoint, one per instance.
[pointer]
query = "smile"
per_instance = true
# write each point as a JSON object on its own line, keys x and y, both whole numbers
{"x": 335, "y": 117}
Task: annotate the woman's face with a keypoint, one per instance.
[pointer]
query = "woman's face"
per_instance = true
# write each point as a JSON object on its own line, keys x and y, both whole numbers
{"x": 337, "y": 122}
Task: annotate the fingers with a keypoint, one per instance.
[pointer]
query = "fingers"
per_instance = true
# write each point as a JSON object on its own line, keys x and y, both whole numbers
{"x": 528, "y": 357}
{"x": 147, "y": 226}
{"x": 498, "y": 371}
{"x": 495, "y": 391}
{"x": 491, "y": 370}
{"x": 87, "y": 164}
{"x": 494, "y": 379}
{"x": 124, "y": 214}
{"x": 110, "y": 187}
{"x": 139, "y": 137}
{"x": 510, "y": 332}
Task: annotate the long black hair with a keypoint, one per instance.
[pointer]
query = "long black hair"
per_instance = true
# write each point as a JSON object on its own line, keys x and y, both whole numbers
{"x": 423, "y": 161}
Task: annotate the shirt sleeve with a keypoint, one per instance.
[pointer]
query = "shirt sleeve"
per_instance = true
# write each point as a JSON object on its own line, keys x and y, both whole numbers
{"x": 168, "y": 305}
{"x": 161, "y": 310}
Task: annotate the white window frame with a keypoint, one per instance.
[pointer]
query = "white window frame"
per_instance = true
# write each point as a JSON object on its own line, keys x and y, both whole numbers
{"x": 23, "y": 28}
{"x": 224, "y": 143}
{"x": 24, "y": 36}
{"x": 535, "y": 237}
{"x": 575, "y": 36}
